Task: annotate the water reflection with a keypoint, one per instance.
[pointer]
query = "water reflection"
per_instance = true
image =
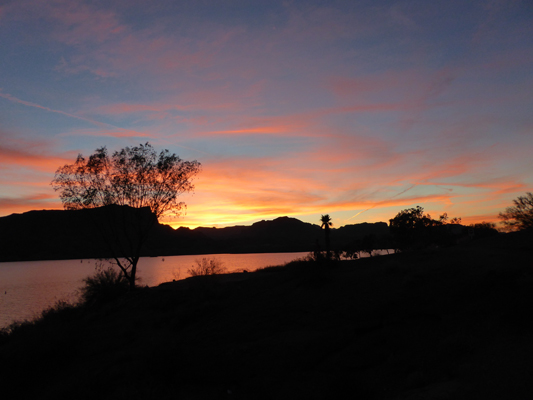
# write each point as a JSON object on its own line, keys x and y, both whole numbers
{"x": 26, "y": 288}
{"x": 155, "y": 271}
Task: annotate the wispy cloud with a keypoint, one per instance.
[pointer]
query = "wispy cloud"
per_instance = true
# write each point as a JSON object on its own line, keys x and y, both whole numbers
{"x": 269, "y": 130}
{"x": 21, "y": 153}
{"x": 12, "y": 205}
{"x": 30, "y": 104}
{"x": 117, "y": 132}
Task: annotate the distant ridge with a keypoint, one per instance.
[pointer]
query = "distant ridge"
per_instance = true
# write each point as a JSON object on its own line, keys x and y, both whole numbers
{"x": 66, "y": 234}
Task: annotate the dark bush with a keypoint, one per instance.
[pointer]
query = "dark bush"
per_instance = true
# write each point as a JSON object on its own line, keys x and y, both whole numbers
{"x": 104, "y": 286}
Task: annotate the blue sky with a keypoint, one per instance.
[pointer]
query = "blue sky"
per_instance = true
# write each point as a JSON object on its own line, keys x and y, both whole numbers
{"x": 358, "y": 109}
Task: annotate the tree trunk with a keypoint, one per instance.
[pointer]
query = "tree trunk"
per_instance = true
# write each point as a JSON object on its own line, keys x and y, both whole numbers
{"x": 328, "y": 253}
{"x": 133, "y": 273}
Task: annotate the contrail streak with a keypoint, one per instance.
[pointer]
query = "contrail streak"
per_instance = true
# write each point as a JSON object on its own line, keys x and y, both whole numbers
{"x": 92, "y": 121}
{"x": 376, "y": 204}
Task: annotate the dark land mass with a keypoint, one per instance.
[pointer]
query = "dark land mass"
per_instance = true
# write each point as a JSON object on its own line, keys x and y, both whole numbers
{"x": 59, "y": 234}
{"x": 449, "y": 323}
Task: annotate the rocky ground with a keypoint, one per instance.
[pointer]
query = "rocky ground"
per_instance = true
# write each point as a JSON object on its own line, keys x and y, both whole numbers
{"x": 452, "y": 323}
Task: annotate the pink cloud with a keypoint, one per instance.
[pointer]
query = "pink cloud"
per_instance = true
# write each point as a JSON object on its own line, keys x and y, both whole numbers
{"x": 268, "y": 130}
{"x": 32, "y": 157}
{"x": 159, "y": 54}
{"x": 413, "y": 89}
{"x": 76, "y": 68}
{"x": 83, "y": 23}
{"x": 116, "y": 133}
{"x": 106, "y": 46}
{"x": 32, "y": 202}
{"x": 127, "y": 108}
{"x": 297, "y": 124}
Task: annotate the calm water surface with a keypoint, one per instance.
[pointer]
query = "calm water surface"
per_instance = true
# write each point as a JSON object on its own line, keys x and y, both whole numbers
{"x": 27, "y": 288}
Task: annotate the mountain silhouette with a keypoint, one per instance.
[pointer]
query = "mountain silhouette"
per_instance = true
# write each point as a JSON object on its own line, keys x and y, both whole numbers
{"x": 71, "y": 234}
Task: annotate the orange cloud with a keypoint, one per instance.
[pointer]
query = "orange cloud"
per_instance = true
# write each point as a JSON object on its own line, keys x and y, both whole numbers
{"x": 10, "y": 156}
{"x": 230, "y": 192}
{"x": 33, "y": 202}
{"x": 476, "y": 219}
{"x": 248, "y": 210}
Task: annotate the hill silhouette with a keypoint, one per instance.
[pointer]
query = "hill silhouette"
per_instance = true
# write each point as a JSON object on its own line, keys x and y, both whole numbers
{"x": 66, "y": 234}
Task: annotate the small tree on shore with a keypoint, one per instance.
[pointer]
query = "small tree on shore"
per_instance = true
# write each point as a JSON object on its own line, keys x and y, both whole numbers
{"x": 137, "y": 177}
{"x": 519, "y": 216}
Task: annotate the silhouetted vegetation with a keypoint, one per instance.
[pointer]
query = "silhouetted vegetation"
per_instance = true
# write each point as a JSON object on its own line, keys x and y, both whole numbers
{"x": 351, "y": 253}
{"x": 412, "y": 229}
{"x": 137, "y": 177}
{"x": 369, "y": 244}
{"x": 483, "y": 229}
{"x": 519, "y": 216}
{"x": 206, "y": 267}
{"x": 104, "y": 286}
{"x": 326, "y": 224}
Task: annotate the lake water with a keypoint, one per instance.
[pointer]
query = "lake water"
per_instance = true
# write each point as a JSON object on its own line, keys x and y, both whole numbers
{"x": 27, "y": 288}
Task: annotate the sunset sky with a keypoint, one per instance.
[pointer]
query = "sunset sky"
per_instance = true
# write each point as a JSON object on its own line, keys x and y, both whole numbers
{"x": 357, "y": 109}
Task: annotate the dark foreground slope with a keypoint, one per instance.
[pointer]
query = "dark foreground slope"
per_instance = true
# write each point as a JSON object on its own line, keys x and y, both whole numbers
{"x": 443, "y": 324}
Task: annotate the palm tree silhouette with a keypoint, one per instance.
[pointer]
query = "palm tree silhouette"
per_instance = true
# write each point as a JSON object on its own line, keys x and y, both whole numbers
{"x": 326, "y": 224}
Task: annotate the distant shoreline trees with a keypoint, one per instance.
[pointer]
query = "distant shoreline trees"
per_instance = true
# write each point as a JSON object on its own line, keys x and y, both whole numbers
{"x": 411, "y": 228}
{"x": 136, "y": 177}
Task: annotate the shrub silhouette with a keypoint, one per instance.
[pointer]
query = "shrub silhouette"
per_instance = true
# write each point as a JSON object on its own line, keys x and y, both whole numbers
{"x": 207, "y": 266}
{"x": 104, "y": 286}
